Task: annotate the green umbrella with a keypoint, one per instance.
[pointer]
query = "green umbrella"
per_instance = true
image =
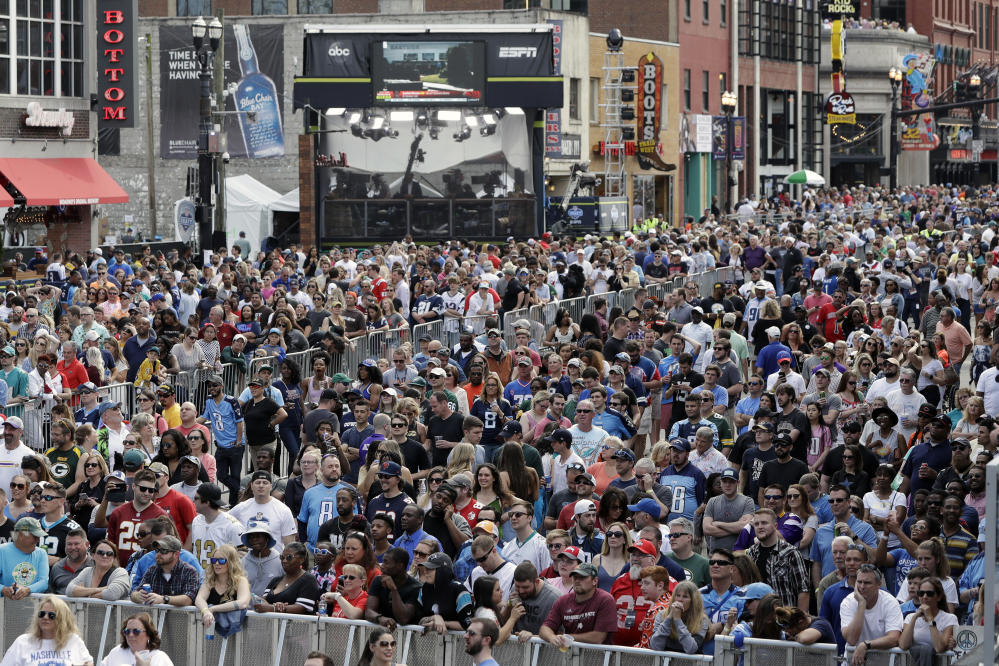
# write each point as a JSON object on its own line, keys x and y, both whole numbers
{"x": 805, "y": 177}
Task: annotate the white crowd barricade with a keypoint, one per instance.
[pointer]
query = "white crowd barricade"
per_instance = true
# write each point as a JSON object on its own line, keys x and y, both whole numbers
{"x": 434, "y": 329}
{"x": 508, "y": 320}
{"x": 477, "y": 324}
{"x": 575, "y": 306}
{"x": 762, "y": 652}
{"x": 896, "y": 657}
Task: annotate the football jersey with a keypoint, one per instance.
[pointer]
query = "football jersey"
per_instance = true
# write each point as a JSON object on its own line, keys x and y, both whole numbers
{"x": 54, "y": 542}
{"x": 455, "y": 303}
{"x": 206, "y": 537}
{"x": 63, "y": 464}
{"x": 688, "y": 490}
{"x": 124, "y": 522}
{"x": 318, "y": 506}
{"x": 391, "y": 506}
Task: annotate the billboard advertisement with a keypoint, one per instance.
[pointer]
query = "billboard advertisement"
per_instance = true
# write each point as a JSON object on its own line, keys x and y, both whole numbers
{"x": 254, "y": 77}
{"x": 424, "y": 72}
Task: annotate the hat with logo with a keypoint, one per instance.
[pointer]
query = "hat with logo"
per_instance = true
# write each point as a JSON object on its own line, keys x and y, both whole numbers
{"x": 14, "y": 422}
{"x": 644, "y": 546}
{"x": 783, "y": 439}
{"x": 755, "y": 591}
{"x": 436, "y": 560}
{"x": 587, "y": 569}
{"x": 511, "y": 428}
{"x": 761, "y": 285}
{"x": 572, "y": 552}
{"x": 729, "y": 473}
{"x": 783, "y": 356}
{"x": 257, "y": 526}
{"x": 489, "y": 527}
{"x": 159, "y": 468}
{"x": 389, "y": 468}
{"x": 31, "y": 526}
{"x": 261, "y": 474}
{"x": 646, "y": 505}
{"x": 927, "y": 411}
{"x": 194, "y": 460}
{"x": 582, "y": 506}
{"x": 766, "y": 426}
{"x": 680, "y": 443}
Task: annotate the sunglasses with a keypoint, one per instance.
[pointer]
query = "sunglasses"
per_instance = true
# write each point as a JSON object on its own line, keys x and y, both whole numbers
{"x": 165, "y": 551}
{"x": 837, "y": 500}
{"x": 49, "y": 614}
{"x": 132, "y": 632}
{"x": 285, "y": 558}
{"x": 323, "y": 551}
{"x": 794, "y": 496}
{"x": 420, "y": 553}
{"x": 139, "y": 399}
{"x": 399, "y": 425}
{"x": 517, "y": 514}
{"x": 584, "y": 411}
{"x": 556, "y": 546}
{"x": 773, "y": 497}
{"x": 386, "y": 644}
{"x": 677, "y": 535}
{"x": 483, "y": 558}
{"x": 104, "y": 553}
{"x": 720, "y": 563}
{"x": 436, "y": 480}
{"x": 615, "y": 535}
{"x": 18, "y": 486}
{"x": 146, "y": 489}
{"x": 219, "y": 560}
{"x": 926, "y": 593}
{"x": 49, "y": 498}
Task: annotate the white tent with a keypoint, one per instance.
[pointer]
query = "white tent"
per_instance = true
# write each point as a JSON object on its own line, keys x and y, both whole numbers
{"x": 248, "y": 208}
{"x": 287, "y": 203}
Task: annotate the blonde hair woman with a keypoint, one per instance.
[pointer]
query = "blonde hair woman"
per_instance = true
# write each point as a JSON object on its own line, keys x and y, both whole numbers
{"x": 462, "y": 460}
{"x": 226, "y": 587}
{"x": 120, "y": 370}
{"x": 53, "y": 630}
{"x": 684, "y": 626}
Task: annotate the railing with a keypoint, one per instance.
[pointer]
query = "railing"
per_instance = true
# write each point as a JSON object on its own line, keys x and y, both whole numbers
{"x": 275, "y": 639}
{"x": 896, "y": 657}
{"x": 755, "y": 651}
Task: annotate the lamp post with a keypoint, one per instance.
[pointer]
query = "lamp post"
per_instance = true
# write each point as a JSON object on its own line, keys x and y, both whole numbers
{"x": 895, "y": 78}
{"x": 974, "y": 92}
{"x": 206, "y": 160}
{"x": 729, "y": 102}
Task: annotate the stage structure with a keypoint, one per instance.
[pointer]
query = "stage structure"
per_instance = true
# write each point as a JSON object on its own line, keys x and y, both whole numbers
{"x": 433, "y": 131}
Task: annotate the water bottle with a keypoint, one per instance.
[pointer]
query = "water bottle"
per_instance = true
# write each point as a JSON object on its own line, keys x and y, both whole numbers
{"x": 321, "y": 606}
{"x": 210, "y": 631}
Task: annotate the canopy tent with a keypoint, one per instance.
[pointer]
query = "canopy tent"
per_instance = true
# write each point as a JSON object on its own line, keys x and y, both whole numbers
{"x": 247, "y": 208}
{"x": 287, "y": 203}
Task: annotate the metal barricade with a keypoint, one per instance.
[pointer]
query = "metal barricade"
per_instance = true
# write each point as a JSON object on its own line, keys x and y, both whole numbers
{"x": 123, "y": 393}
{"x": 434, "y": 329}
{"x": 233, "y": 379}
{"x": 508, "y": 320}
{"x": 896, "y": 657}
{"x": 625, "y": 299}
{"x": 762, "y": 652}
{"x": 477, "y": 323}
{"x": 577, "y": 307}
{"x": 542, "y": 317}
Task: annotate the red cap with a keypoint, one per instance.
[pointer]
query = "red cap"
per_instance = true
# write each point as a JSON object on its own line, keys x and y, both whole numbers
{"x": 571, "y": 551}
{"x": 644, "y": 546}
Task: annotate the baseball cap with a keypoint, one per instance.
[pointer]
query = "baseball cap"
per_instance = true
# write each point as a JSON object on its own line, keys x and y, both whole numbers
{"x": 647, "y": 505}
{"x": 679, "y": 443}
{"x": 578, "y": 467}
{"x": 494, "y": 332}
{"x": 31, "y": 526}
{"x": 572, "y": 552}
{"x": 587, "y": 569}
{"x": 622, "y": 356}
{"x": 822, "y": 371}
{"x": 562, "y": 435}
{"x": 644, "y": 546}
{"x": 192, "y": 459}
{"x": 783, "y": 439}
{"x": 524, "y": 360}
{"x": 511, "y": 428}
{"x": 15, "y": 422}
{"x": 133, "y": 459}
{"x": 761, "y": 285}
{"x": 105, "y": 406}
{"x": 165, "y": 389}
{"x": 755, "y": 591}
{"x": 927, "y": 411}
{"x": 730, "y": 473}
{"x": 339, "y": 378}
{"x": 214, "y": 379}
{"x": 585, "y": 478}
{"x": 783, "y": 355}
{"x": 436, "y": 560}
{"x": 390, "y": 468}
{"x": 261, "y": 474}
{"x": 255, "y": 381}
{"x": 773, "y": 332}
{"x": 616, "y": 369}
{"x": 86, "y": 387}
{"x": 769, "y": 427}
{"x": 168, "y": 542}
{"x": 582, "y": 506}
{"x": 488, "y": 526}
{"x": 649, "y": 303}
{"x": 92, "y": 336}
{"x": 158, "y": 468}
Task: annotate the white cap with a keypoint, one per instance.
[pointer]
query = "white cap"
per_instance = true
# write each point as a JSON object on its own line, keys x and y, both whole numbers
{"x": 773, "y": 332}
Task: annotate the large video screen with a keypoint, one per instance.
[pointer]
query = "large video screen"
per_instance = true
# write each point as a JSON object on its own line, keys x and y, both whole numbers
{"x": 406, "y": 72}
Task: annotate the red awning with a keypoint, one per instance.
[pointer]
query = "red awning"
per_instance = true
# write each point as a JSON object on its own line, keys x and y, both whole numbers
{"x": 5, "y": 200}
{"x": 61, "y": 181}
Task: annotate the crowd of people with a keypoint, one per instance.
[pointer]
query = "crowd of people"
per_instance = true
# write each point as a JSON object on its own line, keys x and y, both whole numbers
{"x": 796, "y": 452}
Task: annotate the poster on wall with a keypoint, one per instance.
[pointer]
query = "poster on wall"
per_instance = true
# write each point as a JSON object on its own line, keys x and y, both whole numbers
{"x": 254, "y": 79}
{"x": 918, "y": 132}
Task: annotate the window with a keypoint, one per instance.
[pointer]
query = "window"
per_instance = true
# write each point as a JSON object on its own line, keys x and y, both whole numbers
{"x": 573, "y": 99}
{"x": 706, "y": 91}
{"x": 723, "y": 12}
{"x": 315, "y": 6}
{"x": 594, "y": 99}
{"x": 686, "y": 10}
{"x": 722, "y": 82}
{"x": 194, "y": 7}
{"x": 686, "y": 90}
{"x": 706, "y": 10}
{"x": 270, "y": 7}
{"x": 29, "y": 62}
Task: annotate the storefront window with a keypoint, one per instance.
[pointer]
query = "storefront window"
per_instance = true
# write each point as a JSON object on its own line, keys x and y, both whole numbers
{"x": 194, "y": 7}
{"x": 270, "y": 7}
{"x": 315, "y": 6}
{"x": 29, "y": 63}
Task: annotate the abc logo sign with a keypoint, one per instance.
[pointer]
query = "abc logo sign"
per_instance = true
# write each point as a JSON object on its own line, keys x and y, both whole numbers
{"x": 337, "y": 52}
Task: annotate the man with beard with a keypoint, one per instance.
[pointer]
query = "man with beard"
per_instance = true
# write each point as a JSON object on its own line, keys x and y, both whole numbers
{"x": 345, "y": 521}
{"x": 319, "y": 501}
{"x": 480, "y": 637}
{"x": 792, "y": 422}
{"x": 223, "y": 414}
{"x": 626, "y": 590}
{"x": 535, "y": 596}
{"x": 584, "y": 533}
{"x": 880, "y": 388}
{"x": 412, "y": 530}
{"x": 783, "y": 471}
{"x": 586, "y": 615}
{"x": 392, "y": 500}
{"x": 781, "y": 565}
{"x": 136, "y": 347}
{"x": 444, "y": 523}
{"x": 834, "y": 459}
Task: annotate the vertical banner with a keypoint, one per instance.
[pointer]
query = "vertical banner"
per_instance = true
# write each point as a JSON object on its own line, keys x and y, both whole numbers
{"x": 553, "y": 117}
{"x": 254, "y": 77}
{"x": 649, "y": 149}
{"x": 738, "y": 138}
{"x": 116, "y": 45}
{"x": 719, "y": 137}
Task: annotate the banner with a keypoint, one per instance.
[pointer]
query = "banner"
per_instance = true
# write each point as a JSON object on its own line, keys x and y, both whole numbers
{"x": 918, "y": 132}
{"x": 116, "y": 44}
{"x": 183, "y": 219}
{"x": 719, "y": 137}
{"x": 738, "y": 138}
{"x": 553, "y": 133}
{"x": 556, "y": 25}
{"x": 260, "y": 92}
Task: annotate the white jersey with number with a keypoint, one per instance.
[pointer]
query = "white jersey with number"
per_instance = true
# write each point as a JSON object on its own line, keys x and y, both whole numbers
{"x": 206, "y": 537}
{"x": 280, "y": 522}
{"x": 454, "y": 303}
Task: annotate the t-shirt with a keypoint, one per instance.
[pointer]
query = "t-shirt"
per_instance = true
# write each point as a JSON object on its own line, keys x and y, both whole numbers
{"x": 276, "y": 514}
{"x": 796, "y": 420}
{"x": 752, "y": 462}
{"x": 26, "y": 650}
{"x": 598, "y": 613}
{"x": 258, "y": 415}
{"x": 724, "y": 510}
{"x": 10, "y": 464}
{"x": 318, "y": 506}
{"x": 206, "y": 537}
{"x": 688, "y": 488}
{"x": 180, "y": 509}
{"x": 392, "y": 506}
{"x": 784, "y": 473}
{"x": 884, "y": 616}
{"x": 63, "y": 465}
{"x": 921, "y": 630}
{"x": 409, "y": 593}
{"x": 449, "y": 430}
{"x": 695, "y": 567}
{"x": 587, "y": 444}
{"x": 124, "y": 522}
{"x": 536, "y": 609}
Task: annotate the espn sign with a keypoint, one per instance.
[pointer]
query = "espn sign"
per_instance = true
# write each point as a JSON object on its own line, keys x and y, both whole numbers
{"x": 518, "y": 52}
{"x": 116, "y": 44}
{"x": 650, "y": 100}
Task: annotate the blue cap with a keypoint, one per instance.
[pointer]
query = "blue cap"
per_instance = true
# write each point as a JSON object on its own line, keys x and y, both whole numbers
{"x": 275, "y": 330}
{"x": 730, "y": 474}
{"x": 157, "y": 297}
{"x": 647, "y": 505}
{"x": 389, "y": 468}
{"x": 756, "y": 591}
{"x": 679, "y": 443}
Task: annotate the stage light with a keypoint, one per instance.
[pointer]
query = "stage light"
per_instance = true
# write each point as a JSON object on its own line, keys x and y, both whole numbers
{"x": 487, "y": 130}
{"x": 464, "y": 133}
{"x": 422, "y": 120}
{"x": 401, "y": 116}
{"x": 355, "y": 117}
{"x": 335, "y": 111}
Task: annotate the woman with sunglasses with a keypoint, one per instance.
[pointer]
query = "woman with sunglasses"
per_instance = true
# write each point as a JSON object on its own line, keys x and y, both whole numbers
{"x": 294, "y": 592}
{"x": 434, "y": 480}
{"x": 225, "y": 588}
{"x": 87, "y": 493}
{"x": 140, "y": 645}
{"x": 613, "y": 557}
{"x": 106, "y": 579}
{"x": 53, "y": 630}
{"x": 18, "y": 503}
{"x": 198, "y": 442}
{"x": 22, "y": 355}
{"x": 143, "y": 435}
{"x": 930, "y": 630}
{"x": 379, "y": 650}
{"x": 145, "y": 403}
{"x": 350, "y": 597}
{"x": 852, "y": 474}
{"x": 799, "y": 504}
{"x": 120, "y": 368}
{"x": 357, "y": 550}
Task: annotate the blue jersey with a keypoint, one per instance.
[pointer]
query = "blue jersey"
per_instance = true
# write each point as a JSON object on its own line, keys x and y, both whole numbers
{"x": 688, "y": 486}
{"x": 517, "y": 392}
{"x": 318, "y": 506}
{"x": 223, "y": 417}
{"x": 427, "y": 304}
{"x": 668, "y": 366}
{"x": 687, "y": 431}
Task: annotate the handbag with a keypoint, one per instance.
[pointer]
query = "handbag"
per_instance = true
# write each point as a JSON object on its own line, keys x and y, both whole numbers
{"x": 229, "y": 623}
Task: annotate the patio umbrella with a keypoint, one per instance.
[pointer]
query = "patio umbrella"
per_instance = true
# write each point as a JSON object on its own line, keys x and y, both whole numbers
{"x": 805, "y": 177}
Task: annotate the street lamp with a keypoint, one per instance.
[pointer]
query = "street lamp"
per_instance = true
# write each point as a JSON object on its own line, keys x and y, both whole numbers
{"x": 895, "y": 79}
{"x": 729, "y": 102}
{"x": 206, "y": 160}
{"x": 974, "y": 91}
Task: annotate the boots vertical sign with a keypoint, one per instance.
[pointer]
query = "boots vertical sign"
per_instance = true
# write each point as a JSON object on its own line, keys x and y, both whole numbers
{"x": 649, "y": 111}
{"x": 116, "y": 44}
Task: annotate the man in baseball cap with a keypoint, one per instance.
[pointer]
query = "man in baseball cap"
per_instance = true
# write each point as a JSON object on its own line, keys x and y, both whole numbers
{"x": 13, "y": 451}
{"x": 28, "y": 559}
{"x": 562, "y": 448}
{"x": 583, "y": 533}
{"x": 568, "y": 622}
